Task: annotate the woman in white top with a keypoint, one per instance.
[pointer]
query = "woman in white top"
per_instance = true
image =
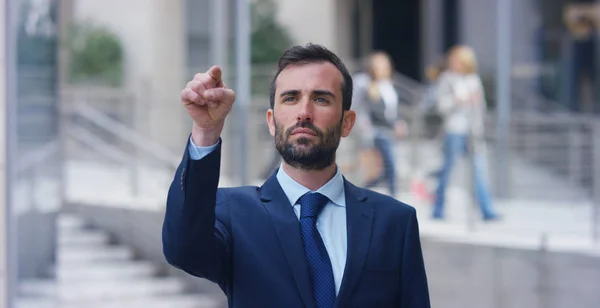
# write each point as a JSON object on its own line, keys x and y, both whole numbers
{"x": 461, "y": 99}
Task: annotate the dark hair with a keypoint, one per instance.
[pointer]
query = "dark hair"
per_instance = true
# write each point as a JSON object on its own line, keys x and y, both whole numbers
{"x": 313, "y": 53}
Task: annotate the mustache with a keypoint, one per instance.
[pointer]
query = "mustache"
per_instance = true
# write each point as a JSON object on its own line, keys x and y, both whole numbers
{"x": 304, "y": 124}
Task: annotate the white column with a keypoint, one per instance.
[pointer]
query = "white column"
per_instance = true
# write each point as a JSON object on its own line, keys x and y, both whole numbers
{"x": 3, "y": 205}
{"x": 431, "y": 32}
{"x": 503, "y": 97}
{"x": 7, "y": 90}
{"x": 343, "y": 29}
{"x": 366, "y": 26}
{"x": 295, "y": 14}
{"x": 220, "y": 34}
{"x": 168, "y": 75}
{"x": 243, "y": 91}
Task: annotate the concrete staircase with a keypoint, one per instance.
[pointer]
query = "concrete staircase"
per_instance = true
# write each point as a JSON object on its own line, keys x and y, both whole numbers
{"x": 91, "y": 272}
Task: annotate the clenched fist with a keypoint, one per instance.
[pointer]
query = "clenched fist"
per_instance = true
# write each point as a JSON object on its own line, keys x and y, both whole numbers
{"x": 208, "y": 101}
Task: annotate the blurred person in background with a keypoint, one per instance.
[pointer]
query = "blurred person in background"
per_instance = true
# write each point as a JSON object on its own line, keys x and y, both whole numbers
{"x": 379, "y": 102}
{"x": 307, "y": 237}
{"x": 433, "y": 73}
{"x": 582, "y": 24}
{"x": 432, "y": 122}
{"x": 369, "y": 163}
{"x": 461, "y": 100}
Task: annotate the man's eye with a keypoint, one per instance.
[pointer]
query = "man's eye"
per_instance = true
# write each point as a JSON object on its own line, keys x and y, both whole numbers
{"x": 289, "y": 99}
{"x": 321, "y": 100}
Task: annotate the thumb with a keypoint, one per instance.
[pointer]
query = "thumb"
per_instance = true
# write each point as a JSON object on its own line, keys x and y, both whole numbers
{"x": 215, "y": 72}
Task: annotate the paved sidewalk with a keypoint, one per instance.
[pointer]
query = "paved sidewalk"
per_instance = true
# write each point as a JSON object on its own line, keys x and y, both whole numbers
{"x": 526, "y": 222}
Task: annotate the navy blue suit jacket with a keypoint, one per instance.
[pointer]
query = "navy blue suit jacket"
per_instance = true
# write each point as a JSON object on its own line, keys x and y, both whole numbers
{"x": 248, "y": 241}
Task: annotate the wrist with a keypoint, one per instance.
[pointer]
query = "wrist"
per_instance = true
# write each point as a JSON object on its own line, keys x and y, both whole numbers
{"x": 204, "y": 137}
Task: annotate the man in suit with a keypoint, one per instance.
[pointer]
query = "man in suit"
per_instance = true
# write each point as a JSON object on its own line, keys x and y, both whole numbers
{"x": 306, "y": 237}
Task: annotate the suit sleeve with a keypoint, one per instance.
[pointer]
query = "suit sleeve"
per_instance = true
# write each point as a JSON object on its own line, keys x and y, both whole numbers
{"x": 195, "y": 232}
{"x": 413, "y": 284}
{"x": 198, "y": 152}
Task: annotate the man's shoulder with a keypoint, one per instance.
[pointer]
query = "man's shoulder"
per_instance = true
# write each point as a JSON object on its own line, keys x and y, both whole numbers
{"x": 237, "y": 193}
{"x": 385, "y": 203}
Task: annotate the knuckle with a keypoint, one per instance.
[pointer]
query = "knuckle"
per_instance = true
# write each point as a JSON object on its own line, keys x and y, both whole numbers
{"x": 189, "y": 94}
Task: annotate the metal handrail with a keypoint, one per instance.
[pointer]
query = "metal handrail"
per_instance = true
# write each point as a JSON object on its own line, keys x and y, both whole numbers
{"x": 127, "y": 134}
{"x": 38, "y": 156}
{"x": 98, "y": 144}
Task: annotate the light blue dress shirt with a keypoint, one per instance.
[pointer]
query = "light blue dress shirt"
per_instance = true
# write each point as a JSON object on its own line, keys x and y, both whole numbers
{"x": 331, "y": 223}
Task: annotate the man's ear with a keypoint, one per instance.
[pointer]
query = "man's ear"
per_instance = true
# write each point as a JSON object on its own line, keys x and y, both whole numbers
{"x": 348, "y": 122}
{"x": 271, "y": 121}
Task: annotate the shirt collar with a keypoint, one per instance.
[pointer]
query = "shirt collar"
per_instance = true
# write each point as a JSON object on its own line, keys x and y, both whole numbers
{"x": 334, "y": 189}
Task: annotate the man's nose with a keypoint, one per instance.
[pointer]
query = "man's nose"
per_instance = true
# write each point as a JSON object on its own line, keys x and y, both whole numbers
{"x": 305, "y": 113}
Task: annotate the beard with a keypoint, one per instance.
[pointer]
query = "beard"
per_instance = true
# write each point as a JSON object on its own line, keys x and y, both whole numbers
{"x": 304, "y": 153}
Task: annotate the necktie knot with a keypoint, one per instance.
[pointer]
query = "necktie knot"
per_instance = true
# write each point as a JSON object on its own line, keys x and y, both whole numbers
{"x": 311, "y": 204}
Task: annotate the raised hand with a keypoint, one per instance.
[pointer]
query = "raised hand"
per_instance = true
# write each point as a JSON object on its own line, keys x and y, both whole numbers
{"x": 208, "y": 102}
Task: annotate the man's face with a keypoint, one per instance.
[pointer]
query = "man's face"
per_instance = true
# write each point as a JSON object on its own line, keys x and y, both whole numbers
{"x": 308, "y": 119}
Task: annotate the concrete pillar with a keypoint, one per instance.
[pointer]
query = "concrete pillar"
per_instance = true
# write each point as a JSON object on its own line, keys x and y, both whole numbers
{"x": 343, "y": 28}
{"x": 3, "y": 204}
{"x": 170, "y": 124}
{"x": 7, "y": 268}
{"x": 365, "y": 8}
{"x": 296, "y": 14}
{"x": 431, "y": 21}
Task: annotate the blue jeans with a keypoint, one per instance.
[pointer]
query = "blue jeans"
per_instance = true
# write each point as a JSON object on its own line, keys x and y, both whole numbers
{"x": 384, "y": 143}
{"x": 456, "y": 145}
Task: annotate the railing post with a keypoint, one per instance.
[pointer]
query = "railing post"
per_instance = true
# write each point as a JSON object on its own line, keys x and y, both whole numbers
{"x": 503, "y": 96}
{"x": 134, "y": 177}
{"x": 472, "y": 168}
{"x": 542, "y": 269}
{"x": 135, "y": 151}
{"x": 574, "y": 154}
{"x": 33, "y": 187}
{"x": 595, "y": 180}
{"x": 414, "y": 135}
{"x": 63, "y": 140}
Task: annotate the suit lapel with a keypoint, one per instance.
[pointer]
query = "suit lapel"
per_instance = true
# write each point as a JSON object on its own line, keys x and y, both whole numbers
{"x": 359, "y": 220}
{"x": 287, "y": 228}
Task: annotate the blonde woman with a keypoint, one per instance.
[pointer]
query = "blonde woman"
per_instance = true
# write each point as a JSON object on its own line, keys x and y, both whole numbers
{"x": 461, "y": 100}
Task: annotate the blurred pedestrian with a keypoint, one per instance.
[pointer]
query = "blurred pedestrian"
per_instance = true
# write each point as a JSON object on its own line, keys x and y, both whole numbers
{"x": 432, "y": 120}
{"x": 379, "y": 102}
{"x": 369, "y": 164}
{"x": 462, "y": 101}
{"x": 582, "y": 22}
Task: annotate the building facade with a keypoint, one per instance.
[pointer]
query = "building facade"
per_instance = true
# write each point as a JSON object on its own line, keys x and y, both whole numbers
{"x": 166, "y": 42}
